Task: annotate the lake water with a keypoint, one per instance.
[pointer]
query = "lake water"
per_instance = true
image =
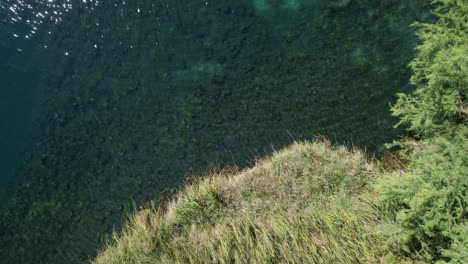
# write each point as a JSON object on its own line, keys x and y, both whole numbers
{"x": 106, "y": 105}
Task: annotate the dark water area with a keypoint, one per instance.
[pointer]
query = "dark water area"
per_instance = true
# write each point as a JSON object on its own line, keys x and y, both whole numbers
{"x": 18, "y": 99}
{"x": 122, "y": 100}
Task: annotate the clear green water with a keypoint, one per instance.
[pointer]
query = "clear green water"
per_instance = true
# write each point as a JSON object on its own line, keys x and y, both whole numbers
{"x": 123, "y": 99}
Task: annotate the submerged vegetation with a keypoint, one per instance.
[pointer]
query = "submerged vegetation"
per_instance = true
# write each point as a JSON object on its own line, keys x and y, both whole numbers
{"x": 315, "y": 203}
{"x": 128, "y": 115}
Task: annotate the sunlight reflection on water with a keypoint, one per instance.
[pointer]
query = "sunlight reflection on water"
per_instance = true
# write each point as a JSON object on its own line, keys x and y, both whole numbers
{"x": 28, "y": 16}
{"x": 21, "y": 20}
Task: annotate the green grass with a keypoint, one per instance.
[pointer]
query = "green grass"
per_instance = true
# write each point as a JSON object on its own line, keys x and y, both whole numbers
{"x": 308, "y": 203}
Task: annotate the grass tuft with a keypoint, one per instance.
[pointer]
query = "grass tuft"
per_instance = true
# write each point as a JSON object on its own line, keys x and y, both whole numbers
{"x": 308, "y": 203}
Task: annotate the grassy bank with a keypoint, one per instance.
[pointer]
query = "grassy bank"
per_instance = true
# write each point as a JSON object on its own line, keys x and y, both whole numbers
{"x": 308, "y": 203}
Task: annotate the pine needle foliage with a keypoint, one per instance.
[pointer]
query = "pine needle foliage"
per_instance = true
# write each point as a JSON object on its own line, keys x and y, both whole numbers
{"x": 440, "y": 72}
{"x": 428, "y": 200}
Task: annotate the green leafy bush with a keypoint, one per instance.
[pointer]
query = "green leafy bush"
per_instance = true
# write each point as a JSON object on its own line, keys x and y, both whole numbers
{"x": 440, "y": 72}
{"x": 427, "y": 201}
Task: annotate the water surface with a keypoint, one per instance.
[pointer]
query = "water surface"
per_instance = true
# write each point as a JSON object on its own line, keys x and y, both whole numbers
{"x": 133, "y": 96}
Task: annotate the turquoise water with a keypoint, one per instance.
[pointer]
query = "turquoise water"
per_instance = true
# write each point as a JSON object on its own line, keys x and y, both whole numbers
{"x": 18, "y": 88}
{"x": 111, "y": 104}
